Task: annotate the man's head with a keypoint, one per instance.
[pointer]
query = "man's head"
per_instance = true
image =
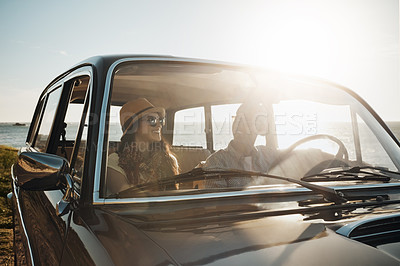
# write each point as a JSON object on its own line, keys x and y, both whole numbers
{"x": 251, "y": 119}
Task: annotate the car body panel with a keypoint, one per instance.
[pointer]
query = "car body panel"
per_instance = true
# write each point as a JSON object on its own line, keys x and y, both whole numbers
{"x": 283, "y": 240}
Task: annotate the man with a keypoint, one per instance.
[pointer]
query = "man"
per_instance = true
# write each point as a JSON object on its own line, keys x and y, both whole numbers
{"x": 250, "y": 121}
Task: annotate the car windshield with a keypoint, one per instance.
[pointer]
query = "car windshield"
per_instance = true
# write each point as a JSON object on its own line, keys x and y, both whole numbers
{"x": 167, "y": 118}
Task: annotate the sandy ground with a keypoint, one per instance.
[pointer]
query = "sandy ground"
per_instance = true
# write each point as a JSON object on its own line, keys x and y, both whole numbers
{"x": 8, "y": 156}
{"x": 6, "y": 247}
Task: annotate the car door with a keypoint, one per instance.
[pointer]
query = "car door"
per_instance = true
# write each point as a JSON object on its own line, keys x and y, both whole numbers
{"x": 59, "y": 127}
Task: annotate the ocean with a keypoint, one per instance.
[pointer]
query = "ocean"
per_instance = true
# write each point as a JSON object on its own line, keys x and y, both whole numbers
{"x": 15, "y": 136}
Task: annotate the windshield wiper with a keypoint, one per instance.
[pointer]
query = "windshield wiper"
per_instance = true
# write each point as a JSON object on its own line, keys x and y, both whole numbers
{"x": 353, "y": 173}
{"x": 329, "y": 194}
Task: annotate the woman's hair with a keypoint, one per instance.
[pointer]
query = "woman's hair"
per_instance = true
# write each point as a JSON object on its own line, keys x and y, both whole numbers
{"x": 159, "y": 161}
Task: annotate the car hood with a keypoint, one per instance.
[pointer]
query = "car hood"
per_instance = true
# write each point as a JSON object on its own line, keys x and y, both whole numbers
{"x": 281, "y": 240}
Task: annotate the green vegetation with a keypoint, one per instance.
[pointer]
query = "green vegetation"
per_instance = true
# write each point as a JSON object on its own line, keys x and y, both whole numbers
{"x": 8, "y": 156}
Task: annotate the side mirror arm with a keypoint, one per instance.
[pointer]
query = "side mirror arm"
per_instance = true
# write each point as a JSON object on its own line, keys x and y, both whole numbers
{"x": 68, "y": 202}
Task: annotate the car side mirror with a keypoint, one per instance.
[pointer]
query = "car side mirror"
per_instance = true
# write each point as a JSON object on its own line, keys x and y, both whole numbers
{"x": 44, "y": 171}
{"x": 41, "y": 171}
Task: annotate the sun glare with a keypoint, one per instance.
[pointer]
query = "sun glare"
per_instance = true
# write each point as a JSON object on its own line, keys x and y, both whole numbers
{"x": 303, "y": 48}
{"x": 295, "y": 120}
{"x": 292, "y": 41}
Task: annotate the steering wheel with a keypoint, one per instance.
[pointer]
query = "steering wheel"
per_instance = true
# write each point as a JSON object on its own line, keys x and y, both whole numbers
{"x": 342, "y": 153}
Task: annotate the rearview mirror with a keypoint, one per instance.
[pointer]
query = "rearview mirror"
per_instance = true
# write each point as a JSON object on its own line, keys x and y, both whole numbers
{"x": 40, "y": 171}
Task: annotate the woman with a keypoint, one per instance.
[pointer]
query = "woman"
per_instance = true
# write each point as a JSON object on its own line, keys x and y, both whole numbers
{"x": 143, "y": 156}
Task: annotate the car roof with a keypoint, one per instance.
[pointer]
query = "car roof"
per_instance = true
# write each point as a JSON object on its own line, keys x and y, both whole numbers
{"x": 103, "y": 62}
{"x": 108, "y": 60}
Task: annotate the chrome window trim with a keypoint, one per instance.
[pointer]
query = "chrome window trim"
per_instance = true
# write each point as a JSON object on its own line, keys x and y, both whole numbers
{"x": 276, "y": 190}
{"x": 215, "y": 195}
{"x": 82, "y": 71}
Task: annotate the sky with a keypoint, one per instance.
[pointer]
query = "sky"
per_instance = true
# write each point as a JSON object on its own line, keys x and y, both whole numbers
{"x": 351, "y": 42}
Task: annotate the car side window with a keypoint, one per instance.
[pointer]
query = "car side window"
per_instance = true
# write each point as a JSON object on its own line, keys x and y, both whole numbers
{"x": 370, "y": 147}
{"x": 189, "y": 128}
{"x": 222, "y": 119}
{"x": 73, "y": 140}
{"x": 69, "y": 132}
{"x": 35, "y": 122}
{"x": 115, "y": 131}
{"x": 47, "y": 119}
{"x": 73, "y": 115}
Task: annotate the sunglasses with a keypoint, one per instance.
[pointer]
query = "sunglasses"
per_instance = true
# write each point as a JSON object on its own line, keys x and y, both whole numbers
{"x": 152, "y": 121}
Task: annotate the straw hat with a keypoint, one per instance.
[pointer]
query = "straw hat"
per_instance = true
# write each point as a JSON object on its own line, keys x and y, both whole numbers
{"x": 132, "y": 111}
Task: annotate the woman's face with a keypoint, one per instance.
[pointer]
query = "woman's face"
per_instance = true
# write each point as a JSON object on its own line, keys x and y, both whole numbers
{"x": 149, "y": 129}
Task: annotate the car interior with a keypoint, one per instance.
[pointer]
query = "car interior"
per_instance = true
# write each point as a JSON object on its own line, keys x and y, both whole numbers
{"x": 180, "y": 88}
